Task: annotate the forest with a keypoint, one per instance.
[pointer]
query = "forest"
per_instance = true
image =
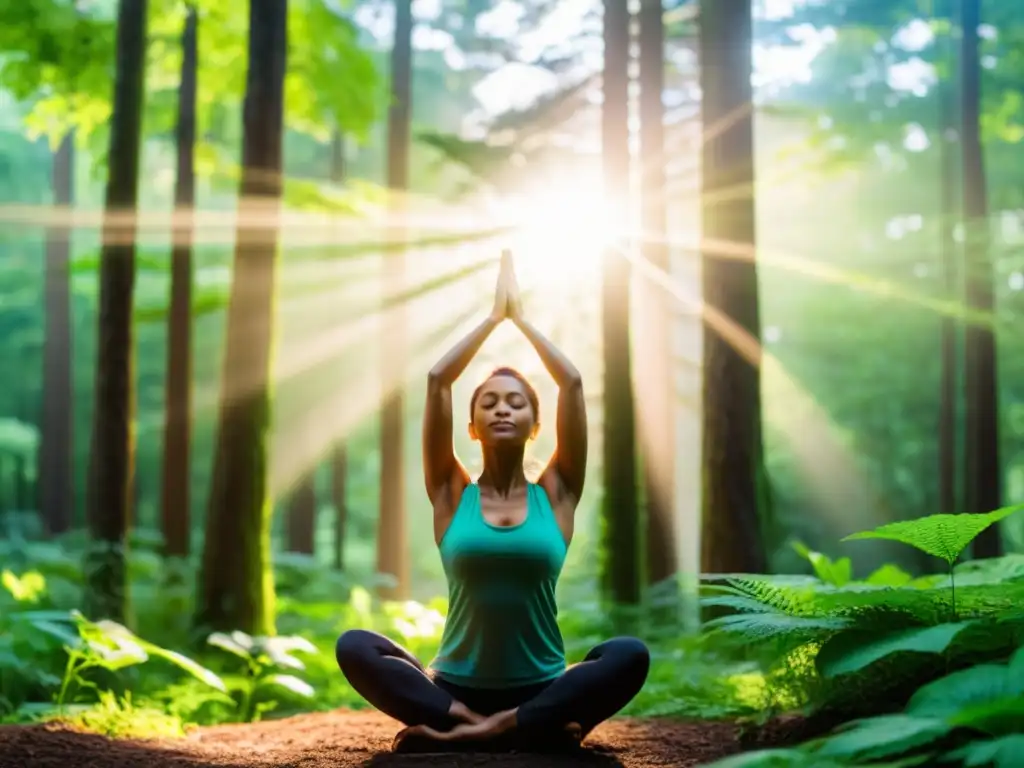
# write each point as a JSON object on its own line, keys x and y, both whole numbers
{"x": 782, "y": 241}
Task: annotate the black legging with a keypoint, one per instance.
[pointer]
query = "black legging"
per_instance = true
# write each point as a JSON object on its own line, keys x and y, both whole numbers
{"x": 393, "y": 680}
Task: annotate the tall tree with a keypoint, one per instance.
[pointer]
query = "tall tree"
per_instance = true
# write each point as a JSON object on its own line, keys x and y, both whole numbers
{"x": 56, "y": 444}
{"x": 981, "y": 428}
{"x": 236, "y": 588}
{"x": 175, "y": 498}
{"x": 339, "y": 454}
{"x": 734, "y": 484}
{"x": 950, "y": 326}
{"x": 391, "y": 534}
{"x": 300, "y": 522}
{"x": 339, "y": 496}
{"x": 656, "y": 406}
{"x": 113, "y": 441}
{"x": 621, "y": 572}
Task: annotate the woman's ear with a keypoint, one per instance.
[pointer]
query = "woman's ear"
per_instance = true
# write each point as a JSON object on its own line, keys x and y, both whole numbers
{"x": 472, "y": 431}
{"x": 535, "y": 431}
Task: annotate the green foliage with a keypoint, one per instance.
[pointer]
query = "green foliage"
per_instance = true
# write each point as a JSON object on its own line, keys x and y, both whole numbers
{"x": 262, "y": 656}
{"x": 835, "y": 572}
{"x": 59, "y": 57}
{"x": 876, "y": 648}
{"x": 943, "y": 536}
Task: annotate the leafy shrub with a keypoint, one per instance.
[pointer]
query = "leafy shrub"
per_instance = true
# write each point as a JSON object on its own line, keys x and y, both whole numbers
{"x": 936, "y": 661}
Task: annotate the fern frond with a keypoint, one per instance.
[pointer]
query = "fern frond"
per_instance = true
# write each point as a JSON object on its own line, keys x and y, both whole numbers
{"x": 737, "y": 603}
{"x": 759, "y": 627}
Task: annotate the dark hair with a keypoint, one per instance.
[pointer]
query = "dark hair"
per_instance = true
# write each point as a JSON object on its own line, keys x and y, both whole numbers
{"x": 531, "y": 393}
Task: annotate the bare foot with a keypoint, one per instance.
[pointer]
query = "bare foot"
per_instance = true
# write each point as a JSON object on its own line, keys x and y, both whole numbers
{"x": 460, "y": 711}
{"x": 575, "y": 731}
{"x": 483, "y": 729}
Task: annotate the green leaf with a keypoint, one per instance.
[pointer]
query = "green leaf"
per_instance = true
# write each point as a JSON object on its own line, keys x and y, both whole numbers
{"x": 194, "y": 668}
{"x": 981, "y": 695}
{"x": 996, "y": 718}
{"x": 62, "y": 633}
{"x": 279, "y": 650}
{"x": 882, "y": 737}
{"x": 293, "y": 684}
{"x": 761, "y": 626}
{"x": 229, "y": 644}
{"x": 737, "y": 603}
{"x": 853, "y": 651}
{"x": 943, "y": 536}
{"x": 998, "y": 753}
{"x": 835, "y": 572}
{"x": 774, "y": 758}
{"x": 27, "y": 588}
{"x": 889, "y": 575}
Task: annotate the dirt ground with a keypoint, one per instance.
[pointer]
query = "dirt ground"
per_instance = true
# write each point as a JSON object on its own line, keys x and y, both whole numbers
{"x": 345, "y": 739}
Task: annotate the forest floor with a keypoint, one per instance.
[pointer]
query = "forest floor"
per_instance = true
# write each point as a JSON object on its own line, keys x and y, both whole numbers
{"x": 346, "y": 739}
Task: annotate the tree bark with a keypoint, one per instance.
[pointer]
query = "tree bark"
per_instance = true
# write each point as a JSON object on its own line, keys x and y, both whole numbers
{"x": 950, "y": 327}
{"x": 113, "y": 437}
{"x": 339, "y": 472}
{"x": 620, "y": 544}
{"x": 735, "y": 486}
{"x": 657, "y": 404}
{"x": 338, "y": 166}
{"x": 300, "y": 528}
{"x": 392, "y": 555}
{"x": 175, "y": 498}
{"x": 981, "y": 439}
{"x": 55, "y": 476}
{"x": 236, "y": 589}
{"x": 339, "y": 456}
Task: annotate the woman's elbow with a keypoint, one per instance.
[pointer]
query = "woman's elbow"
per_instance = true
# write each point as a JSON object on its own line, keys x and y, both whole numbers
{"x": 572, "y": 380}
{"x": 436, "y": 381}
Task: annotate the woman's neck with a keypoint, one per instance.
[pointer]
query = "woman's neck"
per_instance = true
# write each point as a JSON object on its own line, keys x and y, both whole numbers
{"x": 503, "y": 470}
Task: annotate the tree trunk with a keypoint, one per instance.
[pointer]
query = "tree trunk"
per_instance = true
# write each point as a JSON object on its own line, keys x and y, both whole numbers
{"x": 300, "y": 528}
{"x": 20, "y": 480}
{"x": 392, "y": 556}
{"x": 735, "y": 487}
{"x": 949, "y": 329}
{"x": 113, "y": 436}
{"x": 175, "y": 498}
{"x": 55, "y": 476}
{"x": 338, "y": 167}
{"x": 339, "y": 456}
{"x": 621, "y": 573}
{"x": 339, "y": 471}
{"x": 236, "y": 589}
{"x": 981, "y": 439}
{"x": 657, "y": 405}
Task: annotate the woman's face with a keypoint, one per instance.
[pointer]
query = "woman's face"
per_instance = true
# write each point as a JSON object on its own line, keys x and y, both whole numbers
{"x": 502, "y": 413}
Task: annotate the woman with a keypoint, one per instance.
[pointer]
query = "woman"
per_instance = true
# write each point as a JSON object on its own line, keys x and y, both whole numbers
{"x": 503, "y": 540}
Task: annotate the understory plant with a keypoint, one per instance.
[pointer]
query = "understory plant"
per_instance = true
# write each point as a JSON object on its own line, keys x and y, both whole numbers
{"x": 926, "y": 671}
{"x": 263, "y": 657}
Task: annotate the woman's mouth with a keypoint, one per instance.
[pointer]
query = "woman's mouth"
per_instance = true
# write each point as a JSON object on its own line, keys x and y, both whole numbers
{"x": 503, "y": 426}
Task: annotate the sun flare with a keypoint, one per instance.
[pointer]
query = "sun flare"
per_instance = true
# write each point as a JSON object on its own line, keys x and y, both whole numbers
{"x": 561, "y": 236}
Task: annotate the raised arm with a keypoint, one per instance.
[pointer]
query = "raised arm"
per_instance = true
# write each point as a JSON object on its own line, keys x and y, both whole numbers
{"x": 569, "y": 461}
{"x": 440, "y": 466}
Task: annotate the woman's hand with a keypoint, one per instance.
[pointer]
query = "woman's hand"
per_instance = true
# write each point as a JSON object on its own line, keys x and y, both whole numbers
{"x": 482, "y": 730}
{"x": 500, "y": 310}
{"x": 514, "y": 311}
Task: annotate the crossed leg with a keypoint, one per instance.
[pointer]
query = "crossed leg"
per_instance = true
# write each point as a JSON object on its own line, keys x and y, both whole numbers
{"x": 395, "y": 682}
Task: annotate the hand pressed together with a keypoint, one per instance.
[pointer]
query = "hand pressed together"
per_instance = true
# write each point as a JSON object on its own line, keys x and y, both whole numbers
{"x": 507, "y": 301}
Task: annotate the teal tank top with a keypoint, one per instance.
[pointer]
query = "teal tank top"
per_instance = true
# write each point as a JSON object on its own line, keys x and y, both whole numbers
{"x": 502, "y": 629}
